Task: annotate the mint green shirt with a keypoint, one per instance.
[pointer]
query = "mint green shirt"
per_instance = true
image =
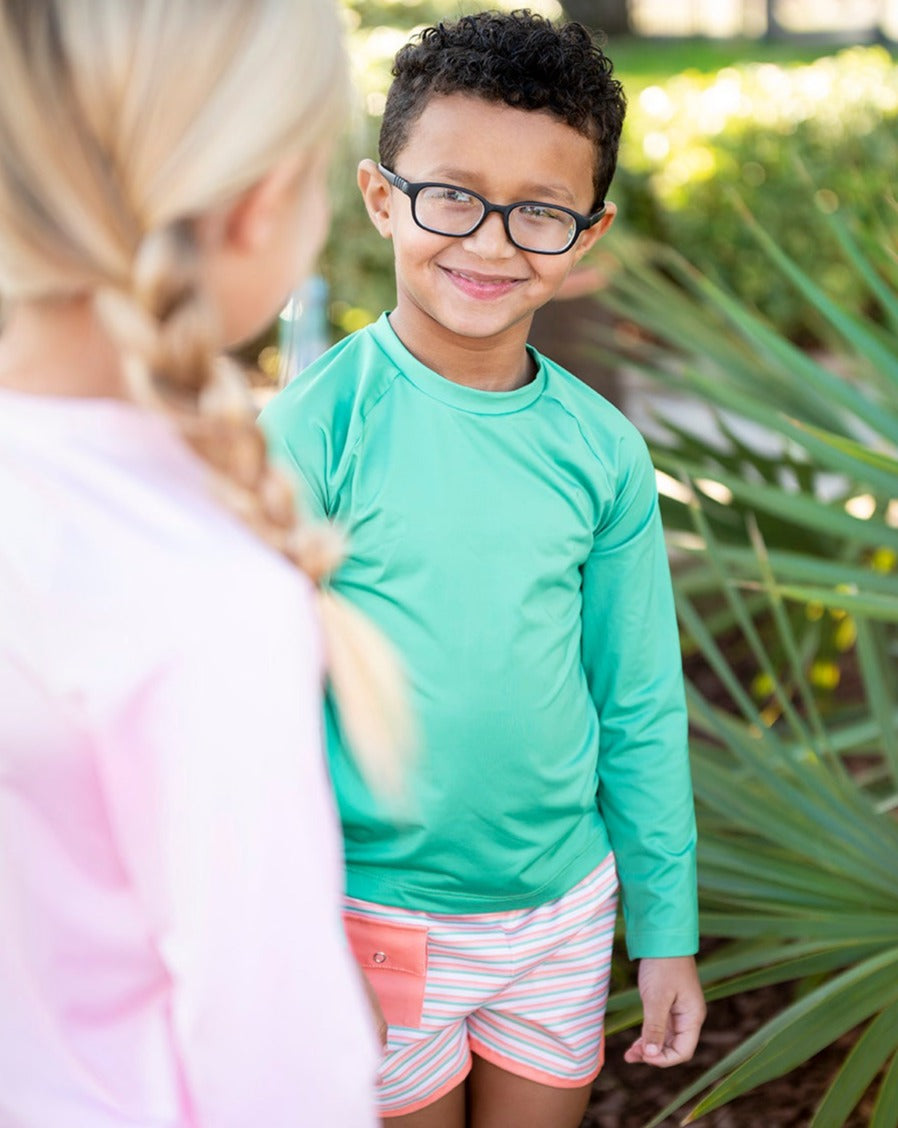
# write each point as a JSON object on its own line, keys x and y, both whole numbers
{"x": 509, "y": 544}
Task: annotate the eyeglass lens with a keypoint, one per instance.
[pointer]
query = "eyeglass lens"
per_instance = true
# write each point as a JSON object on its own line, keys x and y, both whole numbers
{"x": 533, "y": 227}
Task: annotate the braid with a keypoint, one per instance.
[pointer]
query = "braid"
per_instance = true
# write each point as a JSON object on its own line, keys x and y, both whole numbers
{"x": 162, "y": 321}
{"x": 121, "y": 117}
{"x": 168, "y": 336}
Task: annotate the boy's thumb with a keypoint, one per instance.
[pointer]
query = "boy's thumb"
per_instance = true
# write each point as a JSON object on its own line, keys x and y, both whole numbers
{"x": 654, "y": 1027}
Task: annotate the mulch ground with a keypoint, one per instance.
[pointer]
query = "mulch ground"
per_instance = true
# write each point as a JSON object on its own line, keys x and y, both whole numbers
{"x": 628, "y": 1096}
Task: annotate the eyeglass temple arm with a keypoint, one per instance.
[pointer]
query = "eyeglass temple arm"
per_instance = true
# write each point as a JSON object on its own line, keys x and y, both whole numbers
{"x": 397, "y": 181}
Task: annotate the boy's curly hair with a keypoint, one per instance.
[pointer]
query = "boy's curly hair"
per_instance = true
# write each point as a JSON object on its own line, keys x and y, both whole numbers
{"x": 519, "y": 58}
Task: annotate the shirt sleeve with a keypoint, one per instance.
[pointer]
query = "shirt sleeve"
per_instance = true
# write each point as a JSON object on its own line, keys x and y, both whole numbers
{"x": 631, "y": 656}
{"x": 217, "y": 794}
{"x": 295, "y": 448}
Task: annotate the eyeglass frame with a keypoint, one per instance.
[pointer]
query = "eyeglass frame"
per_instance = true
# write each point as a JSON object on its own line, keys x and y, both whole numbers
{"x": 413, "y": 188}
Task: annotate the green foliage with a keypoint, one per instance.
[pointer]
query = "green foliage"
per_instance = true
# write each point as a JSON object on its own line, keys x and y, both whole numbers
{"x": 765, "y": 132}
{"x": 357, "y": 263}
{"x": 653, "y": 62}
{"x": 782, "y": 495}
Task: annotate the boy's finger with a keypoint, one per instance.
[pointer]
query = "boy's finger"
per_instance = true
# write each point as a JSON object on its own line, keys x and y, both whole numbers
{"x": 654, "y": 1029}
{"x": 685, "y": 1040}
{"x": 667, "y": 1057}
{"x": 679, "y": 1048}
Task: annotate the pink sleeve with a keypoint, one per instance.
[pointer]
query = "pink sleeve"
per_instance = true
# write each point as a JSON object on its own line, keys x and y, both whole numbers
{"x": 219, "y": 801}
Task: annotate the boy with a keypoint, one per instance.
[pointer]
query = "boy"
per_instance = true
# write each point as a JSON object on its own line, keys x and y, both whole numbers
{"x": 505, "y": 534}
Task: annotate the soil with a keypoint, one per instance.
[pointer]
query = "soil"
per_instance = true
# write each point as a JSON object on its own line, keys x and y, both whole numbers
{"x": 628, "y": 1096}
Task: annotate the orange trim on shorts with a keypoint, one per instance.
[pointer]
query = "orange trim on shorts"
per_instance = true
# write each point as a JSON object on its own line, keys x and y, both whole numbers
{"x": 521, "y": 1070}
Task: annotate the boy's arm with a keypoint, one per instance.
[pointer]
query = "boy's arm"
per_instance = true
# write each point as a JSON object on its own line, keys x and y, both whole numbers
{"x": 631, "y": 655}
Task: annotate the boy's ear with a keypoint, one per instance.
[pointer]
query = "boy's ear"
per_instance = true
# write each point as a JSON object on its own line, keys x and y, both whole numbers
{"x": 591, "y": 236}
{"x": 377, "y": 196}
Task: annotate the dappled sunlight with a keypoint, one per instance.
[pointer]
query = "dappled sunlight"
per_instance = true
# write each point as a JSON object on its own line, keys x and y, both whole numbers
{"x": 671, "y": 130}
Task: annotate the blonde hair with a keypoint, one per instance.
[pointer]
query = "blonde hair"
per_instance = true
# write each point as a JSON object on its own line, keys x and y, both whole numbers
{"x": 122, "y": 123}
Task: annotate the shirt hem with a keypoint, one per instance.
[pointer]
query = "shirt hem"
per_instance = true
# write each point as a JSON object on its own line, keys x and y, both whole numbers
{"x": 404, "y": 895}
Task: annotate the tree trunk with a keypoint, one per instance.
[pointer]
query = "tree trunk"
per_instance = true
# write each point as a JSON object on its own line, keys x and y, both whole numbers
{"x": 610, "y": 16}
{"x": 775, "y": 29}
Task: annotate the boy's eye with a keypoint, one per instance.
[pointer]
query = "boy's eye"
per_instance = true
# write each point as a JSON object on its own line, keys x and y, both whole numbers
{"x": 443, "y": 195}
{"x": 542, "y": 214}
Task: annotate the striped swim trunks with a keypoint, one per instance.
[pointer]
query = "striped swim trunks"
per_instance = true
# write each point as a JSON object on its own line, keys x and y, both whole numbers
{"x": 526, "y": 990}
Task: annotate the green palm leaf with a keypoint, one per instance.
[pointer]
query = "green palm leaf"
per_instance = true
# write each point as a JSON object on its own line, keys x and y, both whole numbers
{"x": 795, "y": 1034}
{"x": 876, "y": 1044}
{"x": 796, "y": 785}
{"x": 885, "y": 1111}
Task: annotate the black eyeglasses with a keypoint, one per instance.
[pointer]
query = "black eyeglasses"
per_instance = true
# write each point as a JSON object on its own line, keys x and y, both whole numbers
{"x": 444, "y": 209}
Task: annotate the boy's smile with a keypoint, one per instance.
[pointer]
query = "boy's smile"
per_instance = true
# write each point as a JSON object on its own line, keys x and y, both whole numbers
{"x": 480, "y": 286}
{"x": 465, "y": 303}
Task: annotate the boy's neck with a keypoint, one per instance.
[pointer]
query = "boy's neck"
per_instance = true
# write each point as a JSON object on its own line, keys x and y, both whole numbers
{"x": 489, "y": 364}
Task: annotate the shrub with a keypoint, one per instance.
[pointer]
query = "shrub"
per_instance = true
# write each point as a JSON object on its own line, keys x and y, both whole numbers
{"x": 789, "y": 559}
{"x": 765, "y": 132}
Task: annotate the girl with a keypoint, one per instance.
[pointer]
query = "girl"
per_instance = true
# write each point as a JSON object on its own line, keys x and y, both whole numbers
{"x": 170, "y": 871}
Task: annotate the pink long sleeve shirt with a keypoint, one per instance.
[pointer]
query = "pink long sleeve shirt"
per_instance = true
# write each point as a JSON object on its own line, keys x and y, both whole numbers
{"x": 171, "y": 952}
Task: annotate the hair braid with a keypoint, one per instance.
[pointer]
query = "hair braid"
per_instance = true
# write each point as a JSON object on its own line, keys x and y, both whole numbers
{"x": 167, "y": 333}
{"x": 118, "y": 130}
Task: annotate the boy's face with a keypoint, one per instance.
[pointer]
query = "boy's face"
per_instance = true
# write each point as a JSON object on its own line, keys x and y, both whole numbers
{"x": 480, "y": 287}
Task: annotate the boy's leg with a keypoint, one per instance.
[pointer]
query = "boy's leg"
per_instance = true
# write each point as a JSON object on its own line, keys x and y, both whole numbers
{"x": 447, "y": 1112}
{"x": 537, "y": 1045}
{"x": 499, "y": 1099}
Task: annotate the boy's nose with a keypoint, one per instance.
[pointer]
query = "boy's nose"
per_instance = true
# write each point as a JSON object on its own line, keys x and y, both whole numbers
{"x": 490, "y": 240}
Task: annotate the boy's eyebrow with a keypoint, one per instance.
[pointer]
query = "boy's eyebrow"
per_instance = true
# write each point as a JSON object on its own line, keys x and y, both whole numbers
{"x": 532, "y": 191}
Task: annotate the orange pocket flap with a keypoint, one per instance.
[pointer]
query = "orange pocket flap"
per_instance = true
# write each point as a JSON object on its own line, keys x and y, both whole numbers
{"x": 393, "y": 957}
{"x": 393, "y": 947}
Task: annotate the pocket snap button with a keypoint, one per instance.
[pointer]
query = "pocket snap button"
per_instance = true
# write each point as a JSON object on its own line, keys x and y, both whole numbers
{"x": 379, "y": 957}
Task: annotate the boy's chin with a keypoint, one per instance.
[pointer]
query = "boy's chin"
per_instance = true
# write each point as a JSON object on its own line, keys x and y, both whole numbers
{"x": 488, "y": 329}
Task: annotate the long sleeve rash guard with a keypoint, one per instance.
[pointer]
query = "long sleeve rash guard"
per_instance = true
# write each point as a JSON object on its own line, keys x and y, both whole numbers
{"x": 509, "y": 544}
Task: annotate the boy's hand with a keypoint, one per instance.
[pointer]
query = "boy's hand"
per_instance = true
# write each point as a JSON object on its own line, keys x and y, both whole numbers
{"x": 673, "y": 1012}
